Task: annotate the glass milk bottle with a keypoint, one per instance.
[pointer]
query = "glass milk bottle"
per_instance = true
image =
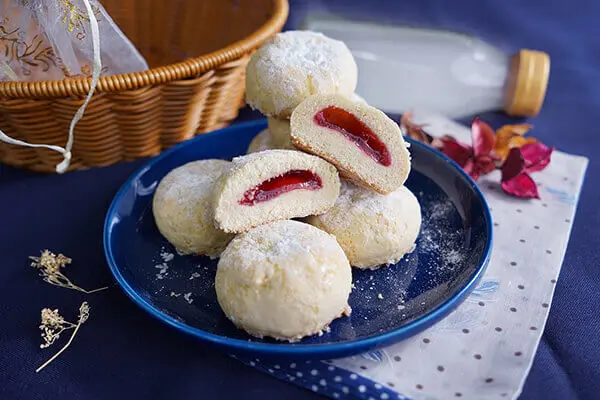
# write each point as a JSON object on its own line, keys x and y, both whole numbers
{"x": 401, "y": 68}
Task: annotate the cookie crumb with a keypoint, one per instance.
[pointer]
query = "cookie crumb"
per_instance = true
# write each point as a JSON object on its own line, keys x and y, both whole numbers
{"x": 188, "y": 297}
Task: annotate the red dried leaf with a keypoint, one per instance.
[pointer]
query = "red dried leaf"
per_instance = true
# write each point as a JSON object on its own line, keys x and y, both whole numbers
{"x": 521, "y": 186}
{"x": 536, "y": 155}
{"x": 485, "y": 164}
{"x": 471, "y": 169}
{"x": 514, "y": 164}
{"x": 459, "y": 152}
{"x": 482, "y": 136}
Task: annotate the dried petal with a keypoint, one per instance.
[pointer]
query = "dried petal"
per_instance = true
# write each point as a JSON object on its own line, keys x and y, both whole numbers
{"x": 504, "y": 136}
{"x": 521, "y": 186}
{"x": 471, "y": 169}
{"x": 520, "y": 141}
{"x": 536, "y": 156}
{"x": 482, "y": 136}
{"x": 413, "y": 130}
{"x": 457, "y": 151}
{"x": 513, "y": 165}
{"x": 485, "y": 164}
{"x": 518, "y": 129}
{"x": 438, "y": 143}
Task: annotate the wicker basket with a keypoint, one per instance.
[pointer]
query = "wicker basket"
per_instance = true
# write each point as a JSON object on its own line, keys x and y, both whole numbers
{"x": 139, "y": 114}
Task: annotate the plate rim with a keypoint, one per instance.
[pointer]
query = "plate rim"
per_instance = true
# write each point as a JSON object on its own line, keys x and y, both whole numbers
{"x": 326, "y": 350}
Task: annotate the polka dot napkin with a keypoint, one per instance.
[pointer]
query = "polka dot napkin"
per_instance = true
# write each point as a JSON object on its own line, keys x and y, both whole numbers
{"x": 485, "y": 348}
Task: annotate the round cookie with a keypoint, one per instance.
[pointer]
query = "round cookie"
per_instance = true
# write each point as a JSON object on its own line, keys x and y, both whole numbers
{"x": 294, "y": 65}
{"x": 280, "y": 130}
{"x": 182, "y": 208}
{"x": 373, "y": 229}
{"x": 285, "y": 280}
{"x": 265, "y": 141}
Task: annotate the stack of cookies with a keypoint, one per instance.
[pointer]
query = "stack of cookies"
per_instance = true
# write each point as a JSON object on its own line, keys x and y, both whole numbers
{"x": 321, "y": 191}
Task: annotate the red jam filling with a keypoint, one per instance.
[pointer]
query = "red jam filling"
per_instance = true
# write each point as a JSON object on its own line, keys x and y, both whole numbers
{"x": 296, "y": 179}
{"x": 356, "y": 131}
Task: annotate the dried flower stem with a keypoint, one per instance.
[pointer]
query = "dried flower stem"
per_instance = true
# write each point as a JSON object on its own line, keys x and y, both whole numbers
{"x": 49, "y": 265}
{"x": 51, "y": 319}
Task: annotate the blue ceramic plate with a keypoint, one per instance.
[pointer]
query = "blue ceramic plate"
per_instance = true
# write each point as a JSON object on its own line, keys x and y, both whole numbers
{"x": 388, "y": 304}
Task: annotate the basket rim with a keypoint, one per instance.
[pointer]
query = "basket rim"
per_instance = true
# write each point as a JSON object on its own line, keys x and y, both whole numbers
{"x": 153, "y": 76}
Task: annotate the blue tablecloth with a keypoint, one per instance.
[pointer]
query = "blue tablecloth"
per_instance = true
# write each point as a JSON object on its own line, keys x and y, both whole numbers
{"x": 121, "y": 352}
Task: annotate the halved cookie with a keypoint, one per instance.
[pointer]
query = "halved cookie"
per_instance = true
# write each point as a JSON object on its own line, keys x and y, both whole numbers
{"x": 272, "y": 185}
{"x": 361, "y": 141}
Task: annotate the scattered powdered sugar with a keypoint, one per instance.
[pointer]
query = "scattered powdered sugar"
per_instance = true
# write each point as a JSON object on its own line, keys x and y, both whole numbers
{"x": 427, "y": 241}
{"x": 453, "y": 256}
{"x": 173, "y": 294}
{"x": 436, "y": 237}
{"x": 441, "y": 210}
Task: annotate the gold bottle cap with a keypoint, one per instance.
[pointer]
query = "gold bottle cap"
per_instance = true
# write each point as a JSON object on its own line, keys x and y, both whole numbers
{"x": 527, "y": 82}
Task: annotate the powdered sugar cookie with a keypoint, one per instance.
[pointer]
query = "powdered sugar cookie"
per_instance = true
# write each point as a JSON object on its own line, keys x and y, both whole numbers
{"x": 271, "y": 185}
{"x": 280, "y": 130}
{"x": 182, "y": 208}
{"x": 373, "y": 229}
{"x": 361, "y": 141}
{"x": 285, "y": 280}
{"x": 266, "y": 141}
{"x": 294, "y": 65}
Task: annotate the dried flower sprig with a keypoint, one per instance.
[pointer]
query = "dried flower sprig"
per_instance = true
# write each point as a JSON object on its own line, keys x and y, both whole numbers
{"x": 506, "y": 149}
{"x": 49, "y": 265}
{"x": 53, "y": 324}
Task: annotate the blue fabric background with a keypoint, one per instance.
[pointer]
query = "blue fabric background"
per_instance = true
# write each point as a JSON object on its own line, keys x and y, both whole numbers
{"x": 122, "y": 353}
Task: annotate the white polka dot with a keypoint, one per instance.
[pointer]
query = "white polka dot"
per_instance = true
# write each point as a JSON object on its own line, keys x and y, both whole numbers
{"x": 337, "y": 379}
{"x": 314, "y": 372}
{"x": 331, "y": 368}
{"x": 384, "y": 396}
{"x": 353, "y": 376}
{"x": 322, "y": 382}
{"x": 335, "y": 395}
{"x": 293, "y": 365}
{"x": 292, "y": 378}
{"x": 378, "y": 386}
{"x": 276, "y": 366}
{"x": 345, "y": 389}
{"x": 371, "y": 398}
{"x": 270, "y": 370}
{"x": 314, "y": 388}
{"x": 257, "y": 360}
{"x": 362, "y": 388}
{"x": 252, "y": 363}
{"x": 299, "y": 374}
